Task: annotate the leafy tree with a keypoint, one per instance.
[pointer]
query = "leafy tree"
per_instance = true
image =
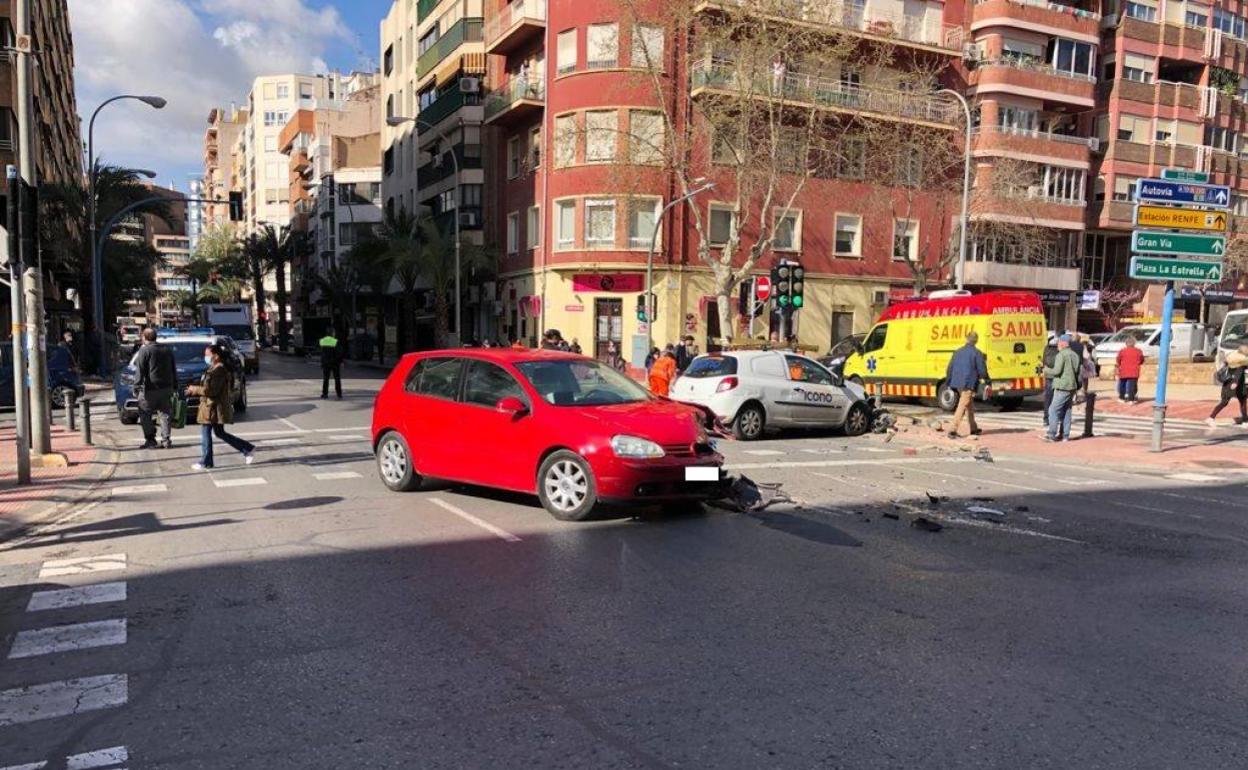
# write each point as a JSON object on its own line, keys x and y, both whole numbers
{"x": 270, "y": 250}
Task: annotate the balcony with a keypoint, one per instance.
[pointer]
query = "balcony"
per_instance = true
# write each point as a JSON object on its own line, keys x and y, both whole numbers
{"x": 446, "y": 105}
{"x": 1015, "y": 142}
{"x": 299, "y": 161}
{"x": 514, "y": 25}
{"x": 424, "y": 8}
{"x": 720, "y": 77}
{"x": 1032, "y": 77}
{"x": 516, "y": 101}
{"x": 1021, "y": 276}
{"x": 462, "y": 31}
{"x": 468, "y": 156}
{"x": 928, "y": 33}
{"x": 1036, "y": 15}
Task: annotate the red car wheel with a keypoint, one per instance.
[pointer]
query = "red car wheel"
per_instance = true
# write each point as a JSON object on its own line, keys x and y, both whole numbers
{"x": 565, "y": 485}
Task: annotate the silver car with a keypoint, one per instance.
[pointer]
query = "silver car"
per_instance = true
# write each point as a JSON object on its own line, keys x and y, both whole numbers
{"x": 754, "y": 390}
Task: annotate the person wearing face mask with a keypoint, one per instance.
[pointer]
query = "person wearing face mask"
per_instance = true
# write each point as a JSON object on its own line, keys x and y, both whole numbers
{"x": 216, "y": 409}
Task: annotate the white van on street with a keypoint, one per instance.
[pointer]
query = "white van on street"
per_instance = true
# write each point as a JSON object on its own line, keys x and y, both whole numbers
{"x": 1189, "y": 341}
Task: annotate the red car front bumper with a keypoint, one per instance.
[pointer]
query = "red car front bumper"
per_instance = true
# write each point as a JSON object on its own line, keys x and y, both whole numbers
{"x": 657, "y": 480}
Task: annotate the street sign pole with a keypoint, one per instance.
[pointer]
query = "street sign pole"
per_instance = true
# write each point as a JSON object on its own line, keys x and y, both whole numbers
{"x": 1163, "y": 368}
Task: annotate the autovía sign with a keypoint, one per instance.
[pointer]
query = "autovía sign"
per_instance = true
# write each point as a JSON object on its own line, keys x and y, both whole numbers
{"x": 1168, "y": 191}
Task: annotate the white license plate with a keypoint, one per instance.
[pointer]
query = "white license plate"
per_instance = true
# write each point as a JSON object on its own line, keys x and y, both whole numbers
{"x": 694, "y": 473}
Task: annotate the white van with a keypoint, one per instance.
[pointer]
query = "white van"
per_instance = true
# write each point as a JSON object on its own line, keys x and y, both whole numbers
{"x": 1234, "y": 333}
{"x": 234, "y": 321}
{"x": 1189, "y": 341}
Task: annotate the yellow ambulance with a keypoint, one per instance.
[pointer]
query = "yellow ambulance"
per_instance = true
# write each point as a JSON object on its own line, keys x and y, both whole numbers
{"x": 906, "y": 353}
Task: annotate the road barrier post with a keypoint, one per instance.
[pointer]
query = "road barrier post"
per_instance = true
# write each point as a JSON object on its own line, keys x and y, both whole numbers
{"x": 1089, "y": 410}
{"x": 86, "y": 421}
{"x": 71, "y": 404}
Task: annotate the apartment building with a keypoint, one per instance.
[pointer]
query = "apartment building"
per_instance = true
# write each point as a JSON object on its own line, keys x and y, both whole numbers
{"x": 221, "y": 137}
{"x": 576, "y": 205}
{"x": 334, "y": 157}
{"x": 433, "y": 65}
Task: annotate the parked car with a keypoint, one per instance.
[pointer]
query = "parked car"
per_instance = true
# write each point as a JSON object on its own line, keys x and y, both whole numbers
{"x": 1234, "y": 333}
{"x": 567, "y": 428}
{"x": 63, "y": 376}
{"x": 834, "y": 361}
{"x": 188, "y": 356}
{"x": 754, "y": 390}
{"x": 1189, "y": 341}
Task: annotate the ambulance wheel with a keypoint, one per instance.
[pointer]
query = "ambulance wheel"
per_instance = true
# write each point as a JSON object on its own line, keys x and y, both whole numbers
{"x": 1009, "y": 404}
{"x": 946, "y": 398}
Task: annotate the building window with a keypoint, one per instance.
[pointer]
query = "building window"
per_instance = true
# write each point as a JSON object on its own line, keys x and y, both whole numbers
{"x": 428, "y": 41}
{"x": 1133, "y": 129}
{"x": 905, "y": 240}
{"x": 852, "y": 163}
{"x": 1072, "y": 57}
{"x": 565, "y": 224}
{"x": 848, "y": 240}
{"x": 1124, "y": 188}
{"x": 533, "y": 227}
{"x": 346, "y": 235}
{"x": 642, "y": 215}
{"x": 787, "y": 235}
{"x": 645, "y": 136}
{"x": 1230, "y": 24}
{"x": 513, "y": 232}
{"x": 270, "y": 144}
{"x": 276, "y": 119}
{"x": 535, "y": 147}
{"x": 513, "y": 157}
{"x": 305, "y": 92}
{"x": 283, "y": 90}
{"x": 1196, "y": 19}
{"x": 565, "y": 140}
{"x": 724, "y": 150}
{"x": 1017, "y": 119}
{"x": 910, "y": 166}
{"x": 722, "y": 225}
{"x": 599, "y": 222}
{"x": 471, "y": 194}
{"x": 602, "y": 46}
{"x": 1164, "y": 132}
{"x": 427, "y": 97}
{"x": 1219, "y": 138}
{"x": 1141, "y": 11}
{"x": 1064, "y": 185}
{"x": 388, "y": 60}
{"x": 565, "y": 53}
{"x": 647, "y": 47}
{"x": 600, "y": 135}
{"x": 1138, "y": 68}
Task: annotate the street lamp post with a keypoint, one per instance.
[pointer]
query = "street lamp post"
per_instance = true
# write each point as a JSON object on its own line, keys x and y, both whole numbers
{"x": 97, "y": 278}
{"x": 395, "y": 121}
{"x": 966, "y": 183}
{"x": 654, "y": 236}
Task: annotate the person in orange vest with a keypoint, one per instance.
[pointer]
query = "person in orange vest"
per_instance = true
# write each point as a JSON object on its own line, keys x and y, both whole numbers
{"x": 663, "y": 372}
{"x": 517, "y": 345}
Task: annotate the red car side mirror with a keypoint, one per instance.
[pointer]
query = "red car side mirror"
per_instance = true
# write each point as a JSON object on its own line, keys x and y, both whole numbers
{"x": 512, "y": 406}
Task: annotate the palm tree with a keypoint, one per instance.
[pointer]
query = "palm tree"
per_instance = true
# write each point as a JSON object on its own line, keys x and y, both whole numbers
{"x": 267, "y": 251}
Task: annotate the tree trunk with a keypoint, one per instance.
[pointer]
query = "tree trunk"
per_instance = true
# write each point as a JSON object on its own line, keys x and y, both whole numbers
{"x": 400, "y": 324}
{"x": 257, "y": 283}
{"x": 441, "y": 329}
{"x": 282, "y": 325}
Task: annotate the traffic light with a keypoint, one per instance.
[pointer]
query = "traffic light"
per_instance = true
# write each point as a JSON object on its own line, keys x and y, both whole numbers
{"x": 641, "y": 308}
{"x": 236, "y": 206}
{"x": 788, "y": 286}
{"x": 796, "y": 286}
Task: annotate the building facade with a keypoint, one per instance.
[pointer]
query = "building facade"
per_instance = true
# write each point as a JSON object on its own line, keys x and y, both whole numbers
{"x": 221, "y": 140}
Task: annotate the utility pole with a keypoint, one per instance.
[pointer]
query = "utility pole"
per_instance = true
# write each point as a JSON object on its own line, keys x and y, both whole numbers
{"x": 36, "y": 334}
{"x": 21, "y": 395}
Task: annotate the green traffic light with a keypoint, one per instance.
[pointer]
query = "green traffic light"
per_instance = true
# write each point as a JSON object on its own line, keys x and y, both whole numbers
{"x": 797, "y": 301}
{"x": 784, "y": 300}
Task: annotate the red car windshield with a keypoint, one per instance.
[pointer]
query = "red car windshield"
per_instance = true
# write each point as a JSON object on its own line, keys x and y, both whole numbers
{"x": 581, "y": 383}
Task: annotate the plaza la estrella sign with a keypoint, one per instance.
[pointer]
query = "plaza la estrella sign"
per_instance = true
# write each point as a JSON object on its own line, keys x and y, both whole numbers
{"x": 1168, "y": 191}
{"x": 1161, "y": 269}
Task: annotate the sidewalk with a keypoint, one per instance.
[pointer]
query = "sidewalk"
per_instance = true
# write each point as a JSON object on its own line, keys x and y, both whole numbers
{"x": 1183, "y": 402}
{"x": 55, "y": 489}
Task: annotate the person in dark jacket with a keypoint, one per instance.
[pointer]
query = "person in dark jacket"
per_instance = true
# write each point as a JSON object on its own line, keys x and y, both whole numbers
{"x": 156, "y": 376}
{"x": 331, "y": 363}
{"x": 216, "y": 409}
{"x": 967, "y": 369}
{"x": 1047, "y": 361}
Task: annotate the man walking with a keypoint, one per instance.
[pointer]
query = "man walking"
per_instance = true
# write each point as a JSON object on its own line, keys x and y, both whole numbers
{"x": 1129, "y": 361}
{"x": 966, "y": 370}
{"x": 686, "y": 351}
{"x": 1065, "y": 375}
{"x": 156, "y": 375}
{"x": 331, "y": 363}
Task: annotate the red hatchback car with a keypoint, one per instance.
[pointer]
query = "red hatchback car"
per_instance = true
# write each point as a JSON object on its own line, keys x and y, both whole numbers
{"x": 568, "y": 428}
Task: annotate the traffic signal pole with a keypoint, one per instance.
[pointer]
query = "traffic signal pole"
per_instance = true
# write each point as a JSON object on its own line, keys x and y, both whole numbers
{"x": 1163, "y": 368}
{"x": 21, "y": 393}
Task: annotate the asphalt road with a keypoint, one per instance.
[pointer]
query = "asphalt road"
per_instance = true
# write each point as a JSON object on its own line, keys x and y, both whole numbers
{"x": 295, "y": 614}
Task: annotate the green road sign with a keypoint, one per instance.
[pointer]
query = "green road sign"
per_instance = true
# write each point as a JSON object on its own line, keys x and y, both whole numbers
{"x": 1159, "y": 269}
{"x": 1183, "y": 175}
{"x": 1147, "y": 242}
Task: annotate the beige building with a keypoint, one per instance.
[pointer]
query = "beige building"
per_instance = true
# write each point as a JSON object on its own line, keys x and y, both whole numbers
{"x": 220, "y": 137}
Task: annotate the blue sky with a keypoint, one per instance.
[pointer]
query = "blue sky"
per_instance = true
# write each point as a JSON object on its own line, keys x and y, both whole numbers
{"x": 199, "y": 54}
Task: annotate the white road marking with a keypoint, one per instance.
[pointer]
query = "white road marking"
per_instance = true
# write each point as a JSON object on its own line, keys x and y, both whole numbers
{"x": 763, "y": 452}
{"x": 346, "y": 437}
{"x": 103, "y": 758}
{"x": 62, "y": 598}
{"x": 1193, "y": 477}
{"x": 338, "y": 430}
{"x": 250, "y": 481}
{"x": 291, "y": 425}
{"x": 139, "y": 489}
{"x": 278, "y": 441}
{"x": 336, "y": 475}
{"x": 82, "y": 565}
{"x": 259, "y": 433}
{"x": 468, "y": 517}
{"x": 839, "y": 463}
{"x": 60, "y": 699}
{"x": 68, "y": 638}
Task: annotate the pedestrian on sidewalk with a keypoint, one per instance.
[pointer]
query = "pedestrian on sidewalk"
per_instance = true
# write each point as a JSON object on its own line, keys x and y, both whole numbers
{"x": 331, "y": 363}
{"x": 156, "y": 376}
{"x": 1129, "y": 361}
{"x": 575, "y": 347}
{"x": 1047, "y": 360}
{"x": 1233, "y": 375}
{"x": 966, "y": 370}
{"x": 216, "y": 409}
{"x": 686, "y": 352}
{"x": 663, "y": 372}
{"x": 1065, "y": 375}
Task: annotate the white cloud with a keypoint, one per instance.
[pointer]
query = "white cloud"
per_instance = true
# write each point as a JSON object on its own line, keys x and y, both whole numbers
{"x": 195, "y": 60}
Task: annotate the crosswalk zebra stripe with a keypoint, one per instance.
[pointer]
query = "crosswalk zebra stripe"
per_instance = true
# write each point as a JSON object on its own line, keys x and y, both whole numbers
{"x": 50, "y": 700}
{"x": 63, "y": 598}
{"x": 68, "y": 638}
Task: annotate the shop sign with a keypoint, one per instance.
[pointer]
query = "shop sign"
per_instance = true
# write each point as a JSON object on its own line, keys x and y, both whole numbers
{"x": 1054, "y": 297}
{"x": 574, "y": 308}
{"x": 1090, "y": 300}
{"x": 621, "y": 283}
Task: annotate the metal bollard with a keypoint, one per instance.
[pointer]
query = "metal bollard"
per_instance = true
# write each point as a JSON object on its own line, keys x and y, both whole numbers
{"x": 86, "y": 421}
{"x": 1089, "y": 409}
{"x": 71, "y": 406}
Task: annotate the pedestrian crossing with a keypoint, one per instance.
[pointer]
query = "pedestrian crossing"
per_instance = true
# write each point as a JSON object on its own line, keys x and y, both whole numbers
{"x": 41, "y": 700}
{"x": 1104, "y": 424}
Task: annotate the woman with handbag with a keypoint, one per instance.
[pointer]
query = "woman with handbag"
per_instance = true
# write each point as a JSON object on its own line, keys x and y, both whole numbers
{"x": 216, "y": 409}
{"x": 1232, "y": 376}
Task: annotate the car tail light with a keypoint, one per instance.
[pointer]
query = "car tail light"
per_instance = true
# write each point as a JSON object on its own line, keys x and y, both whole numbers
{"x": 726, "y": 384}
